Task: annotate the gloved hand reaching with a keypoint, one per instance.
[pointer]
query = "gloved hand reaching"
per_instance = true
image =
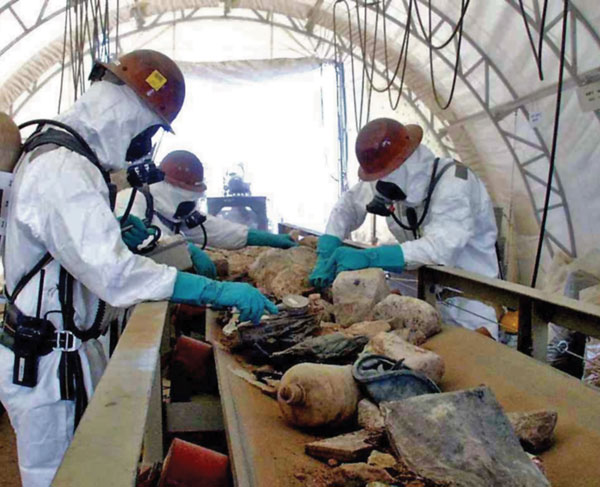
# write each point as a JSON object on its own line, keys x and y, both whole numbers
{"x": 202, "y": 263}
{"x": 198, "y": 290}
{"x": 266, "y": 239}
{"x": 134, "y": 232}
{"x": 387, "y": 257}
{"x": 321, "y": 274}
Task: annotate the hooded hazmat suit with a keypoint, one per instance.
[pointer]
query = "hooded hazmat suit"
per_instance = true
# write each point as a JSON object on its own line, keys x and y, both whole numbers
{"x": 60, "y": 204}
{"x": 221, "y": 233}
{"x": 459, "y": 229}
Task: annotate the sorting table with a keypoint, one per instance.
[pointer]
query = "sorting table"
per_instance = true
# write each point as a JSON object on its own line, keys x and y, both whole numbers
{"x": 265, "y": 451}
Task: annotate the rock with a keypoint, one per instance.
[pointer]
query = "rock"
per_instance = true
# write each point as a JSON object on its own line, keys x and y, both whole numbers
{"x": 416, "y": 337}
{"x": 369, "y": 416}
{"x": 463, "y": 438}
{"x": 334, "y": 348}
{"x": 345, "y": 448}
{"x": 367, "y": 328}
{"x": 238, "y": 261}
{"x": 332, "y": 462}
{"x": 358, "y": 474}
{"x": 406, "y": 312}
{"x": 309, "y": 241}
{"x": 380, "y": 459}
{"x": 355, "y": 294}
{"x": 393, "y": 346}
{"x": 292, "y": 280}
{"x": 539, "y": 463}
{"x": 534, "y": 429}
{"x": 320, "y": 307}
{"x": 283, "y": 271}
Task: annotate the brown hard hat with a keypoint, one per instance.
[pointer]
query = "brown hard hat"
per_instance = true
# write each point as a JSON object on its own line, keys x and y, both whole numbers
{"x": 184, "y": 170}
{"x": 155, "y": 78}
{"x": 10, "y": 143}
{"x": 383, "y": 145}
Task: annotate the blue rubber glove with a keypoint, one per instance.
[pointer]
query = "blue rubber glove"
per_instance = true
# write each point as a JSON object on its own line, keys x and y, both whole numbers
{"x": 198, "y": 290}
{"x": 266, "y": 239}
{"x": 326, "y": 246}
{"x": 135, "y": 232}
{"x": 202, "y": 263}
{"x": 387, "y": 257}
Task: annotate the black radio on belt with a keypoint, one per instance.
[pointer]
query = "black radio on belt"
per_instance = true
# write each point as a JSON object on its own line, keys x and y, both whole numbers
{"x": 31, "y": 335}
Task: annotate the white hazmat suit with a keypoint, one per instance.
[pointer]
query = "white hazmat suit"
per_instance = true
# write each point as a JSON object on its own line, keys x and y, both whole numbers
{"x": 221, "y": 233}
{"x": 60, "y": 204}
{"x": 459, "y": 229}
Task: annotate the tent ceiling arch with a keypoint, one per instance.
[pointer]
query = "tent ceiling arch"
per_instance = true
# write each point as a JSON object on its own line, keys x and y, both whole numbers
{"x": 490, "y": 98}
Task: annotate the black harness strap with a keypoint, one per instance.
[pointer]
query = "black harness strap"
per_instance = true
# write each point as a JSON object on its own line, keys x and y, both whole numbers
{"x": 71, "y": 377}
{"x": 461, "y": 173}
{"x": 46, "y": 259}
{"x": 149, "y": 206}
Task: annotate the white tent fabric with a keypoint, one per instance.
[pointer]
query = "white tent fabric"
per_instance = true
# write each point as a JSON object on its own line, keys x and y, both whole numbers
{"x": 497, "y": 90}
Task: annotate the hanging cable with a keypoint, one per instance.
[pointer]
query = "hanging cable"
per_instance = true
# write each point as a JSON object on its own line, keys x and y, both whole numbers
{"x": 563, "y": 44}
{"x": 537, "y": 55}
{"x": 429, "y": 38}
{"x": 444, "y": 106}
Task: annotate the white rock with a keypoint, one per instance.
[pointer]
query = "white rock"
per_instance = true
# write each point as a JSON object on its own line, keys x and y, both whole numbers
{"x": 393, "y": 346}
{"x": 356, "y": 293}
{"x": 368, "y": 328}
{"x": 369, "y": 416}
{"x": 406, "y": 312}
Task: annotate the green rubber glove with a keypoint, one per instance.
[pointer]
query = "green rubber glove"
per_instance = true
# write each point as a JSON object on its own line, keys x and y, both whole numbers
{"x": 387, "y": 257}
{"x": 202, "y": 263}
{"x": 326, "y": 246}
{"x": 266, "y": 239}
{"x": 134, "y": 232}
{"x": 198, "y": 290}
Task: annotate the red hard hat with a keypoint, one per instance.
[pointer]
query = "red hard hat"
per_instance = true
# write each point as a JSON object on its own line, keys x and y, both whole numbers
{"x": 383, "y": 145}
{"x": 155, "y": 78}
{"x": 184, "y": 170}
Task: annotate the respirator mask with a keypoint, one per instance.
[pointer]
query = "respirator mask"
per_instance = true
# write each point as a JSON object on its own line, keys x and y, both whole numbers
{"x": 382, "y": 204}
{"x": 141, "y": 144}
{"x": 386, "y": 195}
{"x": 187, "y": 213}
{"x": 142, "y": 171}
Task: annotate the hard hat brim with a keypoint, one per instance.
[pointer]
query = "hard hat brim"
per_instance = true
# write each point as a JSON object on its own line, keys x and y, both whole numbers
{"x": 415, "y": 133}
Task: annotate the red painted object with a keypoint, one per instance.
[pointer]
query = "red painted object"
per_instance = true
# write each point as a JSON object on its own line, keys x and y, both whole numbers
{"x": 189, "y": 465}
{"x": 193, "y": 357}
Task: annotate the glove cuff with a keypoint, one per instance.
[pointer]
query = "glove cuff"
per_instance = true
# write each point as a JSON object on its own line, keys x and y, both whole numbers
{"x": 387, "y": 257}
{"x": 196, "y": 290}
{"x": 327, "y": 244}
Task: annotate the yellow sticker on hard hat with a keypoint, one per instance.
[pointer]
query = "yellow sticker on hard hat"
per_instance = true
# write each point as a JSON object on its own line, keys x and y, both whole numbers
{"x": 156, "y": 80}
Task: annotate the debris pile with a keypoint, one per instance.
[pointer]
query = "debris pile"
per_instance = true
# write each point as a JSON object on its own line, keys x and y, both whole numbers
{"x": 306, "y": 357}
